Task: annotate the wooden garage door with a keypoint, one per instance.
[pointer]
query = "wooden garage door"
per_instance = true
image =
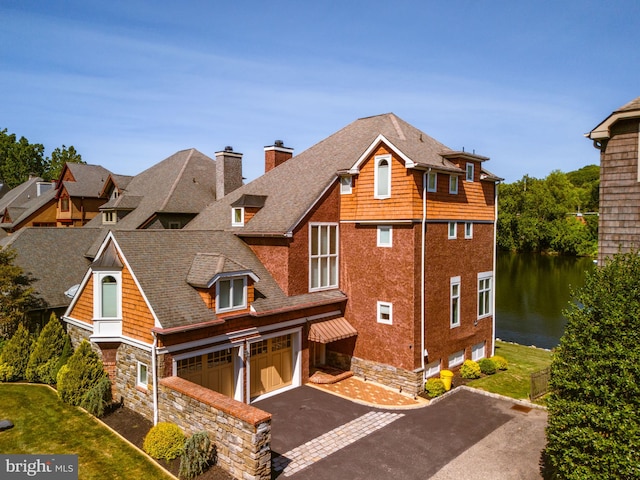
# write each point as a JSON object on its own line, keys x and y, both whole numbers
{"x": 212, "y": 370}
{"x": 271, "y": 364}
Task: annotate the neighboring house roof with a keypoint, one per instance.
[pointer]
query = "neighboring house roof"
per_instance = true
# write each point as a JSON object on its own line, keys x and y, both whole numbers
{"x": 627, "y": 111}
{"x": 54, "y": 274}
{"x": 165, "y": 261}
{"x": 182, "y": 183}
{"x": 20, "y": 194}
{"x": 24, "y": 211}
{"x": 88, "y": 180}
{"x": 294, "y": 186}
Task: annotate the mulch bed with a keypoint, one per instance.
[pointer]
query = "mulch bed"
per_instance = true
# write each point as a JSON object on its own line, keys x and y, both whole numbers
{"x": 134, "y": 427}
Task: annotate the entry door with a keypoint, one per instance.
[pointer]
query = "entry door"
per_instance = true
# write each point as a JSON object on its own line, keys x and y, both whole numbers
{"x": 271, "y": 364}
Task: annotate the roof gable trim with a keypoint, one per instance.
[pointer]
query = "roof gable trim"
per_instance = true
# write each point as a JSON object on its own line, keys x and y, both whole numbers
{"x": 408, "y": 163}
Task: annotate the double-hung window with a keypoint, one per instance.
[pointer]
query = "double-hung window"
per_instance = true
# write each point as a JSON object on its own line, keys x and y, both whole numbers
{"x": 455, "y": 302}
{"x": 142, "y": 377}
{"x": 345, "y": 184}
{"x": 453, "y": 184}
{"x": 382, "y": 175}
{"x": 231, "y": 294}
{"x": 323, "y": 256}
{"x": 485, "y": 293}
{"x": 432, "y": 182}
{"x": 237, "y": 217}
{"x": 452, "y": 230}
{"x": 469, "y": 177}
{"x": 468, "y": 230}
{"x": 385, "y": 236}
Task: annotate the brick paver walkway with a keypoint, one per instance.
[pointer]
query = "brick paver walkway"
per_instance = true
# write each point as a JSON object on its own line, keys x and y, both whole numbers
{"x": 320, "y": 447}
{"x": 372, "y": 393}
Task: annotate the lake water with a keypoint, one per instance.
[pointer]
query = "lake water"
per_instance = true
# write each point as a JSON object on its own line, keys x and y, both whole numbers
{"x": 531, "y": 292}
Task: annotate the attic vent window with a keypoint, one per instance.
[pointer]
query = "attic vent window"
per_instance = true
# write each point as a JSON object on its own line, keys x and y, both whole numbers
{"x": 237, "y": 217}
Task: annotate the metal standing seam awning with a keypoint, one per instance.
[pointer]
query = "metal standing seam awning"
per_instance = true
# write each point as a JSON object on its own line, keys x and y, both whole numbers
{"x": 331, "y": 330}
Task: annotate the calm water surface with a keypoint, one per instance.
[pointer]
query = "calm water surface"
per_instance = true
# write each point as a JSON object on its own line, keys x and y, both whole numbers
{"x": 531, "y": 292}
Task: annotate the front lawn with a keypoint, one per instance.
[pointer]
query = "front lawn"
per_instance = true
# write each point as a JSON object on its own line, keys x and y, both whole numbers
{"x": 45, "y": 425}
{"x": 514, "y": 382}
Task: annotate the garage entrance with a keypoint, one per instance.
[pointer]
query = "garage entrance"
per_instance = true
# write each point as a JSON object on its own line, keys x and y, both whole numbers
{"x": 271, "y": 364}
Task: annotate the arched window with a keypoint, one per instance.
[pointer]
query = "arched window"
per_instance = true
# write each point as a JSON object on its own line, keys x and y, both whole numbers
{"x": 109, "y": 297}
{"x": 383, "y": 177}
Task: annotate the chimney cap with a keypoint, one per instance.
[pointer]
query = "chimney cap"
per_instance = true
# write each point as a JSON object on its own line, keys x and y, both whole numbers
{"x": 228, "y": 148}
{"x": 278, "y": 143}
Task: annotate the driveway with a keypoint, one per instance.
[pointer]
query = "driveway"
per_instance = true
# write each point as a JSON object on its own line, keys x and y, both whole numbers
{"x": 467, "y": 434}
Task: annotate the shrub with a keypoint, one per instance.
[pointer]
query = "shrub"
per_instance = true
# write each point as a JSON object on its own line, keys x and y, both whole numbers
{"x": 487, "y": 366}
{"x": 500, "y": 362}
{"x": 98, "y": 398}
{"x": 46, "y": 352}
{"x": 15, "y": 356}
{"x": 198, "y": 455}
{"x": 434, "y": 387}
{"x": 83, "y": 370}
{"x": 67, "y": 351}
{"x": 164, "y": 441}
{"x": 470, "y": 369}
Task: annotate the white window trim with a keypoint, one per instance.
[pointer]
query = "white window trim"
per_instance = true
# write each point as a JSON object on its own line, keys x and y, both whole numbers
{"x": 329, "y": 255}
{"x": 489, "y": 302}
{"x": 453, "y": 282}
{"x": 455, "y": 230}
{"x": 139, "y": 383}
{"x": 468, "y": 229}
{"x": 234, "y": 223}
{"x": 346, "y": 184}
{"x": 98, "y": 276}
{"x": 432, "y": 369}
{"x": 433, "y": 175}
{"x": 378, "y": 159}
{"x": 478, "y": 351}
{"x": 380, "y": 243}
{"x": 231, "y": 279}
{"x": 456, "y": 359}
{"x": 379, "y": 313}
{"x": 453, "y": 187}
{"x": 470, "y": 171}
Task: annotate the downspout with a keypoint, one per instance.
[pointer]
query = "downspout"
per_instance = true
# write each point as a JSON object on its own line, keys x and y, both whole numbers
{"x": 422, "y": 268}
{"x": 495, "y": 259}
{"x": 154, "y": 347}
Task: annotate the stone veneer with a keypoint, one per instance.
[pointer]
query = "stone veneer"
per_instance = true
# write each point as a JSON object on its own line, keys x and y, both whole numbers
{"x": 240, "y": 432}
{"x": 403, "y": 380}
{"x": 135, "y": 398}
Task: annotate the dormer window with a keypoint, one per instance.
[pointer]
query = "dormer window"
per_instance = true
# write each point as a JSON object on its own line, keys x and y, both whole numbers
{"x": 109, "y": 217}
{"x": 109, "y": 294}
{"x": 453, "y": 184}
{"x": 470, "y": 169}
{"x": 231, "y": 294}
{"x": 64, "y": 204}
{"x": 382, "y": 175}
{"x": 237, "y": 217}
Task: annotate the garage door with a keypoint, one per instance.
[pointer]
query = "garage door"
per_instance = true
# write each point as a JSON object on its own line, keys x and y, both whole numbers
{"x": 212, "y": 370}
{"x": 271, "y": 364}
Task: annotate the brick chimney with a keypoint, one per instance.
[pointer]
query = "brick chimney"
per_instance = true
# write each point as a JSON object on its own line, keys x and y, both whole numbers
{"x": 276, "y": 155}
{"x": 228, "y": 171}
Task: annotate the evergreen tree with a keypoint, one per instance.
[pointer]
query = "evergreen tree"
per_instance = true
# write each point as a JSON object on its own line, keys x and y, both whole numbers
{"x": 15, "y": 355}
{"x": 46, "y": 353}
{"x": 594, "y": 426}
{"x": 83, "y": 371}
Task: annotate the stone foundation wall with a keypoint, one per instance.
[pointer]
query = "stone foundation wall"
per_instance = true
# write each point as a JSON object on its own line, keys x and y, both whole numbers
{"x": 77, "y": 334}
{"x": 135, "y": 398}
{"x": 240, "y": 432}
{"x": 403, "y": 380}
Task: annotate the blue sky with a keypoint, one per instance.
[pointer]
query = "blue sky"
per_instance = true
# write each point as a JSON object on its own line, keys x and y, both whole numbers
{"x": 129, "y": 83}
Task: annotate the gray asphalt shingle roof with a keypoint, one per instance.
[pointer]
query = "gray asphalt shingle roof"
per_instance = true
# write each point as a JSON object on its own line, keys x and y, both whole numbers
{"x": 162, "y": 262}
{"x": 292, "y": 188}
{"x": 89, "y": 180}
{"x": 54, "y": 257}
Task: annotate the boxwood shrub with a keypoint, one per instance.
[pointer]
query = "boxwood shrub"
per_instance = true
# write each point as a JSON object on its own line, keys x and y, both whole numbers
{"x": 434, "y": 387}
{"x": 487, "y": 366}
{"x": 500, "y": 362}
{"x": 470, "y": 369}
{"x": 164, "y": 441}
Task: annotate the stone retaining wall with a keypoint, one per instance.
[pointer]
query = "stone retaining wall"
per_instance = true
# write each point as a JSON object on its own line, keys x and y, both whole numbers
{"x": 240, "y": 432}
{"x": 403, "y": 380}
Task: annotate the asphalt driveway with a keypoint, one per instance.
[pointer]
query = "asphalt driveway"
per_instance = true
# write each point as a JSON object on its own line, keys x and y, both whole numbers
{"x": 465, "y": 435}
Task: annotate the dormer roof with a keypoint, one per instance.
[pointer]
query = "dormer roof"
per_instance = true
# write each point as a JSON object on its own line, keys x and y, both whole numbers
{"x": 206, "y": 268}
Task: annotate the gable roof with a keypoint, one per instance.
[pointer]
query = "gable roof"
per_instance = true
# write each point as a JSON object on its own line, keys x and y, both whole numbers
{"x": 166, "y": 260}
{"x": 294, "y": 186}
{"x": 603, "y": 130}
{"x": 185, "y": 182}
{"x": 88, "y": 180}
{"x": 54, "y": 274}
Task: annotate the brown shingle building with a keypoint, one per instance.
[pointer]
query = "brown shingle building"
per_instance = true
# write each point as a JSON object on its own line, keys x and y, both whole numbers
{"x": 618, "y": 139}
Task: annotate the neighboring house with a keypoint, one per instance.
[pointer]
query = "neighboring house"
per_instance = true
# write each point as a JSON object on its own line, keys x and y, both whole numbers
{"x": 31, "y": 203}
{"x": 618, "y": 139}
{"x": 54, "y": 274}
{"x": 78, "y": 193}
{"x": 171, "y": 193}
{"x": 372, "y": 251}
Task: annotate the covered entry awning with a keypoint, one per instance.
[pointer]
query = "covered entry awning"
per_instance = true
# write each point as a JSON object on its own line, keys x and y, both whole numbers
{"x": 331, "y": 330}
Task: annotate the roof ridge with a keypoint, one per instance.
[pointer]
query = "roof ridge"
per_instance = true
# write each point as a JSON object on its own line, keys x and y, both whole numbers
{"x": 177, "y": 180}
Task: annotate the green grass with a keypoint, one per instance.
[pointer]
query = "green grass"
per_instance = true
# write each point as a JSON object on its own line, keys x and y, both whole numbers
{"x": 514, "y": 382}
{"x": 45, "y": 425}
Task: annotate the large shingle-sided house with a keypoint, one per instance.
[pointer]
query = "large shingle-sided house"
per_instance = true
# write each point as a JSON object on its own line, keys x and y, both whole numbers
{"x": 371, "y": 251}
{"x": 618, "y": 139}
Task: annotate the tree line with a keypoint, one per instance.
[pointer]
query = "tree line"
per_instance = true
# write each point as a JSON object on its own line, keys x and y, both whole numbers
{"x": 556, "y": 214}
{"x": 20, "y": 159}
